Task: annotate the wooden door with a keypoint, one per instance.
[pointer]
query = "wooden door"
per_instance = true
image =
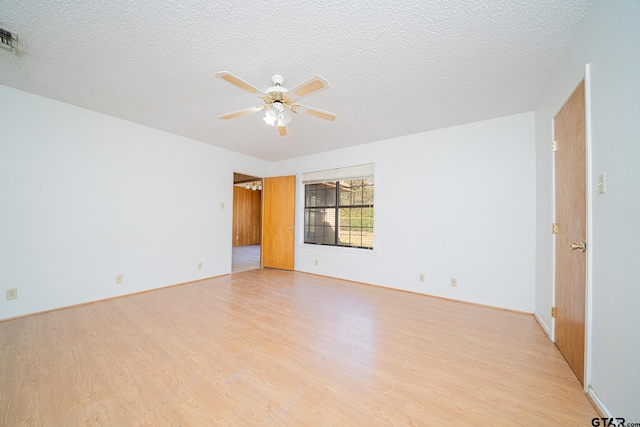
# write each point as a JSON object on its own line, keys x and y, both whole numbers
{"x": 278, "y": 220}
{"x": 571, "y": 220}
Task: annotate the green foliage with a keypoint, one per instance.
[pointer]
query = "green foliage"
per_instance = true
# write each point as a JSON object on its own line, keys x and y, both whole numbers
{"x": 354, "y": 208}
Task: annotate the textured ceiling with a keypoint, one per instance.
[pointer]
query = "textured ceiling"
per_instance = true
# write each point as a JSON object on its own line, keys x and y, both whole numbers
{"x": 395, "y": 67}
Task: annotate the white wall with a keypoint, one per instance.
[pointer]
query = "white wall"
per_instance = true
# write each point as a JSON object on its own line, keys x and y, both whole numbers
{"x": 610, "y": 41}
{"x": 84, "y": 196}
{"x": 456, "y": 202}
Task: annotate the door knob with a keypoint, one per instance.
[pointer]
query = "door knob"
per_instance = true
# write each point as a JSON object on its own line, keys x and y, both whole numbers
{"x": 582, "y": 246}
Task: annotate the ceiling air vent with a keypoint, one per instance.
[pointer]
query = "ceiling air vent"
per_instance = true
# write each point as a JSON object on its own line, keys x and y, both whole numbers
{"x": 8, "y": 40}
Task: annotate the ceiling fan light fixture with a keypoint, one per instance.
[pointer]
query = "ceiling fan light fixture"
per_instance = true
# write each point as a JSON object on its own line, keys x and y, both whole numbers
{"x": 253, "y": 185}
{"x": 277, "y": 115}
{"x": 286, "y": 116}
{"x": 270, "y": 119}
{"x": 279, "y": 106}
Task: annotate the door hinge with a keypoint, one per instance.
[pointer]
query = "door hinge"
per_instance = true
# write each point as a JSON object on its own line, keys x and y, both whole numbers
{"x": 554, "y": 312}
{"x": 554, "y": 145}
{"x": 554, "y": 228}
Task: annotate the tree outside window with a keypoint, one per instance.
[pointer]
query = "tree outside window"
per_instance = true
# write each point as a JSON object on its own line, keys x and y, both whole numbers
{"x": 340, "y": 213}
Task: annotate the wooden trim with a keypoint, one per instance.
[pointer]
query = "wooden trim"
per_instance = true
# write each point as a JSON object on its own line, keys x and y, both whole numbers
{"x": 80, "y": 304}
{"x": 297, "y": 271}
{"x": 419, "y": 293}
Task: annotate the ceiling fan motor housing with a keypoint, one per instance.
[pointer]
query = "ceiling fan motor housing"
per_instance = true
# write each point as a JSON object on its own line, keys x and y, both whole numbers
{"x": 277, "y": 94}
{"x": 277, "y": 80}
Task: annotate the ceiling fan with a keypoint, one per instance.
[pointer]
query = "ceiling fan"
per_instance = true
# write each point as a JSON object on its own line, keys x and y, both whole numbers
{"x": 279, "y": 101}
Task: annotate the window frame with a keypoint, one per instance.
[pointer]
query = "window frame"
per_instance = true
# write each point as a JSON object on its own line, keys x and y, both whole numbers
{"x": 335, "y": 207}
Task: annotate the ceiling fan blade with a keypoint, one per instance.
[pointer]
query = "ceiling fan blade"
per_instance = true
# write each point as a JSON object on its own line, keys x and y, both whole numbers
{"x": 309, "y": 87}
{"x": 282, "y": 130}
{"x": 299, "y": 108}
{"x": 227, "y": 76}
{"x": 235, "y": 114}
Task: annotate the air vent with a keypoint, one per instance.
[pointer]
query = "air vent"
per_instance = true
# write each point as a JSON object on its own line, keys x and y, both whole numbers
{"x": 8, "y": 40}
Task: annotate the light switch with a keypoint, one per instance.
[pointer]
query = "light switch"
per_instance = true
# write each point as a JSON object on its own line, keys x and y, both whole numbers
{"x": 602, "y": 183}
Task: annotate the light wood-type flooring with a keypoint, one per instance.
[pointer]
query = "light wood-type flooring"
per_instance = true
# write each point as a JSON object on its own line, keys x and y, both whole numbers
{"x": 273, "y": 348}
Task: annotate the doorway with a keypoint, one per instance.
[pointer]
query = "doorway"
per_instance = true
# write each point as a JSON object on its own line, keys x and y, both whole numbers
{"x": 247, "y": 223}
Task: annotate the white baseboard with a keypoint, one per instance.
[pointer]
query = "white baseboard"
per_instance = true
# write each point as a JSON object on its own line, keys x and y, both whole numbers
{"x": 599, "y": 405}
{"x": 543, "y": 325}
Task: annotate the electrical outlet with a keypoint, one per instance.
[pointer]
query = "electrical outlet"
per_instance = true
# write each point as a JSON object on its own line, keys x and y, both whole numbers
{"x": 200, "y": 266}
{"x": 12, "y": 293}
{"x": 454, "y": 281}
{"x": 119, "y": 279}
{"x": 421, "y": 277}
{"x": 316, "y": 262}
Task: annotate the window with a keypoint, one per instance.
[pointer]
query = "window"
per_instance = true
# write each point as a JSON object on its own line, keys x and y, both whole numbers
{"x": 338, "y": 207}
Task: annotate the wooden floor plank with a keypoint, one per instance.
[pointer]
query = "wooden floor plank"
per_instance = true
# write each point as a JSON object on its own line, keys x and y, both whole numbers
{"x": 267, "y": 347}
